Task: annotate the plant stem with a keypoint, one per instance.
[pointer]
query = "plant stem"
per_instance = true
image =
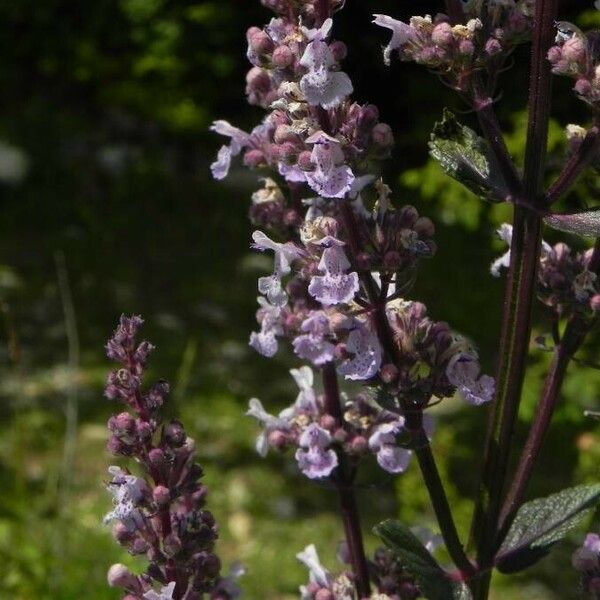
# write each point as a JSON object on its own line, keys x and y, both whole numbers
{"x": 520, "y": 293}
{"x": 455, "y": 11}
{"x": 413, "y": 416}
{"x": 343, "y": 482}
{"x": 575, "y": 333}
{"x": 586, "y": 153}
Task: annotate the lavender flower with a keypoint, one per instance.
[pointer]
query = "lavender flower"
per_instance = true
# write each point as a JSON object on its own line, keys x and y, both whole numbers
{"x": 365, "y": 351}
{"x": 463, "y": 372}
{"x": 383, "y": 442}
{"x": 314, "y": 457}
{"x": 313, "y": 344}
{"x": 331, "y": 178}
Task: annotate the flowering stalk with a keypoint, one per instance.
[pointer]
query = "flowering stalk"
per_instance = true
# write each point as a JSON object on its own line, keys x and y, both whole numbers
{"x": 578, "y": 327}
{"x": 519, "y": 297}
{"x": 161, "y": 512}
{"x": 343, "y": 481}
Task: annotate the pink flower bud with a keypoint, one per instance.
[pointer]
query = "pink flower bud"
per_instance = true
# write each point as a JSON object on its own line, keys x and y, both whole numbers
{"x": 340, "y": 435}
{"x": 388, "y": 373}
{"x": 595, "y": 302}
{"x": 291, "y": 217}
{"x": 424, "y": 227}
{"x": 305, "y": 161}
{"x": 251, "y": 32}
{"x": 254, "y": 158}
{"x": 324, "y": 594}
{"x": 339, "y": 51}
{"x": 466, "y": 48}
{"x": 284, "y": 133}
{"x": 257, "y": 80}
{"x": 359, "y": 444}
{"x": 442, "y": 34}
{"x": 277, "y": 440}
{"x": 408, "y": 215}
{"x": 554, "y": 54}
{"x": 574, "y": 49}
{"x": 156, "y": 457}
{"x": 328, "y": 422}
{"x": 120, "y": 576}
{"x": 261, "y": 43}
{"x": 583, "y": 87}
{"x": 392, "y": 260}
{"x": 382, "y": 135}
{"x": 493, "y": 47}
{"x": 283, "y": 57}
{"x": 161, "y": 495}
{"x": 121, "y": 533}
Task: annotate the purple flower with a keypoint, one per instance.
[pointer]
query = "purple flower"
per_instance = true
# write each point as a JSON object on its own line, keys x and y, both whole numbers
{"x": 402, "y": 33}
{"x": 382, "y": 442}
{"x": 321, "y": 85}
{"x": 331, "y": 177}
{"x": 271, "y": 286}
{"x": 166, "y": 593}
{"x": 239, "y": 140}
{"x": 268, "y": 422}
{"x": 317, "y": 572}
{"x": 463, "y": 372}
{"x": 306, "y": 401}
{"x": 336, "y": 286}
{"x": 314, "y": 459}
{"x": 127, "y": 491}
{"x": 265, "y": 340}
{"x": 364, "y": 345}
{"x": 313, "y": 345}
{"x": 587, "y": 557}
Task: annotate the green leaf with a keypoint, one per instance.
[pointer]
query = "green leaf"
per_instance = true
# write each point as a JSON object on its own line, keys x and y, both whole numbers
{"x": 431, "y": 578}
{"x": 585, "y": 223}
{"x": 541, "y": 523}
{"x": 467, "y": 158}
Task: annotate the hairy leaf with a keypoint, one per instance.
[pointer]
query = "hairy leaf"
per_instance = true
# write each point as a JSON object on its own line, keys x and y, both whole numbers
{"x": 432, "y": 579}
{"x": 467, "y": 158}
{"x": 584, "y": 223}
{"x": 541, "y": 523}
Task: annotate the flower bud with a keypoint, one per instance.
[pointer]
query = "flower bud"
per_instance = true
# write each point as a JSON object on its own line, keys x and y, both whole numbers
{"x": 392, "y": 260}
{"x": 121, "y": 533}
{"x": 305, "y": 161}
{"x": 261, "y": 43}
{"x": 340, "y": 435}
{"x": 574, "y": 49}
{"x": 382, "y": 135}
{"x": 328, "y": 422}
{"x": 408, "y": 215}
{"x": 174, "y": 434}
{"x": 277, "y": 439}
{"x": 143, "y": 429}
{"x": 283, "y": 57}
{"x": 388, "y": 373}
{"x": 442, "y": 34}
{"x": 466, "y": 48}
{"x": 424, "y": 227}
{"x": 595, "y": 302}
{"x": 251, "y": 32}
{"x": 161, "y": 495}
{"x": 171, "y": 545}
{"x": 156, "y": 457}
{"x": 120, "y": 576}
{"x": 254, "y": 158}
{"x": 493, "y": 47}
{"x": 359, "y": 444}
{"x": 257, "y": 80}
{"x": 324, "y": 594}
{"x": 339, "y": 51}
{"x": 583, "y": 87}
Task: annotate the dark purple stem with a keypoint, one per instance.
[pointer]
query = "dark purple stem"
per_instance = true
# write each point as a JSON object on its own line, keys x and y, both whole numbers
{"x": 413, "y": 415}
{"x": 586, "y": 153}
{"x": 519, "y": 297}
{"x": 574, "y": 335}
{"x": 455, "y": 11}
{"x": 343, "y": 480}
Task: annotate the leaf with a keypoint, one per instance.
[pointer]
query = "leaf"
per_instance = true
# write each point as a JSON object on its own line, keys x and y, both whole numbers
{"x": 431, "y": 578}
{"x": 541, "y": 523}
{"x": 467, "y": 158}
{"x": 585, "y": 223}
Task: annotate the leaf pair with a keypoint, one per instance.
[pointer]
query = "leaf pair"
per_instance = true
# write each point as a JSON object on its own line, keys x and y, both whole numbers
{"x": 539, "y": 525}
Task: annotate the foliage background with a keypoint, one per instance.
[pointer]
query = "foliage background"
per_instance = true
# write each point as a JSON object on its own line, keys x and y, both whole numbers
{"x": 104, "y": 155}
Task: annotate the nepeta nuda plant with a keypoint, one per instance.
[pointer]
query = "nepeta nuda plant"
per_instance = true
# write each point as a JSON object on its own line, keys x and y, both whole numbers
{"x": 160, "y": 511}
{"x": 339, "y": 294}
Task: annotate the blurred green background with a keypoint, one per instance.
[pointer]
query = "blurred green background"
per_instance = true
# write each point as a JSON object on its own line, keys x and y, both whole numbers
{"x": 106, "y": 199}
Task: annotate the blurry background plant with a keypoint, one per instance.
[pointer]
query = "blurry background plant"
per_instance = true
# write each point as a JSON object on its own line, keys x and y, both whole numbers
{"x": 107, "y": 206}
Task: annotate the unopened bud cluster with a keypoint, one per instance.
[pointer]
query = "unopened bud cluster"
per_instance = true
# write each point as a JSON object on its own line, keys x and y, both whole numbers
{"x": 455, "y": 51}
{"x": 160, "y": 512}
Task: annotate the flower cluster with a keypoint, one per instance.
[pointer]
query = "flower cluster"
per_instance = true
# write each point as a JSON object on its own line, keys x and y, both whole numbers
{"x": 161, "y": 512}
{"x": 455, "y": 51}
{"x": 316, "y": 435}
{"x": 565, "y": 283}
{"x": 388, "y": 575}
{"x": 587, "y": 561}
{"x": 577, "y": 55}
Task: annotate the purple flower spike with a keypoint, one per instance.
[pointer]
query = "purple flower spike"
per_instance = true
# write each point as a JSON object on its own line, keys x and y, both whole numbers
{"x": 336, "y": 286}
{"x": 365, "y": 347}
{"x": 390, "y": 457}
{"x": 331, "y": 177}
{"x": 463, "y": 372}
{"x": 313, "y": 345}
{"x": 314, "y": 460}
